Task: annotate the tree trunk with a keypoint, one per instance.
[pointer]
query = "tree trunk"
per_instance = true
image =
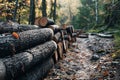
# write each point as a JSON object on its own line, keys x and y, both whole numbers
{"x": 22, "y": 62}
{"x": 54, "y": 13}
{"x": 15, "y": 11}
{"x": 27, "y": 39}
{"x": 44, "y": 13}
{"x": 38, "y": 72}
{"x": 32, "y": 12}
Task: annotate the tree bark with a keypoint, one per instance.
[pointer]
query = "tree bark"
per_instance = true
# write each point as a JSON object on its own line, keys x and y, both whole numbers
{"x": 54, "y": 13}
{"x": 27, "y": 39}
{"x": 57, "y": 37}
{"x": 9, "y": 27}
{"x": 44, "y": 5}
{"x": 32, "y": 12}
{"x": 55, "y": 28}
{"x": 38, "y": 72}
{"x": 20, "y": 63}
{"x": 70, "y": 29}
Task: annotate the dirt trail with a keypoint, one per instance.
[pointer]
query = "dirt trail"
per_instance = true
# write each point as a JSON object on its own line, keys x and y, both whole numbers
{"x": 84, "y": 60}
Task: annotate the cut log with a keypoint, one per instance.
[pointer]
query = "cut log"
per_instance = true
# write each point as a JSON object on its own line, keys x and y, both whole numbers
{"x": 55, "y": 57}
{"x": 2, "y": 70}
{"x": 27, "y": 39}
{"x": 84, "y": 35}
{"x": 63, "y": 41}
{"x": 44, "y": 21}
{"x": 70, "y": 29}
{"x": 60, "y": 50}
{"x": 105, "y": 35}
{"x": 38, "y": 72}
{"x": 9, "y": 27}
{"x": 57, "y": 37}
{"x": 24, "y": 27}
{"x": 74, "y": 34}
{"x": 55, "y": 28}
{"x": 20, "y": 63}
{"x": 67, "y": 37}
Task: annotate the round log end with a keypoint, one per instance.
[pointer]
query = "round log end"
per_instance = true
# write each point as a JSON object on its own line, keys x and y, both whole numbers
{"x": 2, "y": 71}
{"x": 43, "y": 21}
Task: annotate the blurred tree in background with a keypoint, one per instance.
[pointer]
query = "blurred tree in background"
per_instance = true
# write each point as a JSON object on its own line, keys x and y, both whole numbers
{"x": 107, "y": 13}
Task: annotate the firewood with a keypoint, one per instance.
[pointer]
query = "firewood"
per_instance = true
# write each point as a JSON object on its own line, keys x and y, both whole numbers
{"x": 22, "y": 62}
{"x": 27, "y": 39}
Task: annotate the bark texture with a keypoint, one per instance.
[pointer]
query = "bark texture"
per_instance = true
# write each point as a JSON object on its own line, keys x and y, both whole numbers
{"x": 9, "y": 27}
{"x": 21, "y": 63}
{"x": 38, "y": 72}
{"x": 27, "y": 39}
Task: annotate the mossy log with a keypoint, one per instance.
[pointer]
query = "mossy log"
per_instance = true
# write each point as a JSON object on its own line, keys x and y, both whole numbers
{"x": 27, "y": 39}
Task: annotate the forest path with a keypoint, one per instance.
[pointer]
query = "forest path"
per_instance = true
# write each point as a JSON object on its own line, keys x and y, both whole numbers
{"x": 85, "y": 60}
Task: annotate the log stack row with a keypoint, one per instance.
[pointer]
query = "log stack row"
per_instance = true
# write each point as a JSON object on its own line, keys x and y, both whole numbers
{"x": 28, "y": 52}
{"x": 63, "y": 35}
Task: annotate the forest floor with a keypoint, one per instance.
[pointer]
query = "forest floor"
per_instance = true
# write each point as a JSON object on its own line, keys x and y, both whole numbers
{"x": 87, "y": 59}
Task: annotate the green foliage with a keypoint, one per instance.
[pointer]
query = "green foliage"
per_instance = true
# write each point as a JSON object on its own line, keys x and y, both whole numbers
{"x": 85, "y": 18}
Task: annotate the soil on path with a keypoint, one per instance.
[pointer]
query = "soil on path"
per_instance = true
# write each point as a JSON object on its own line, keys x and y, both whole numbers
{"x": 88, "y": 59}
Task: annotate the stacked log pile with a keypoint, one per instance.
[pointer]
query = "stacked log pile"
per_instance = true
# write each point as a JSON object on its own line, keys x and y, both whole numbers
{"x": 63, "y": 35}
{"x": 28, "y": 52}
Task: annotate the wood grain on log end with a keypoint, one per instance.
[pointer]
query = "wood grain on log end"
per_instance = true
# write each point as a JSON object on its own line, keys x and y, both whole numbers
{"x": 44, "y": 21}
